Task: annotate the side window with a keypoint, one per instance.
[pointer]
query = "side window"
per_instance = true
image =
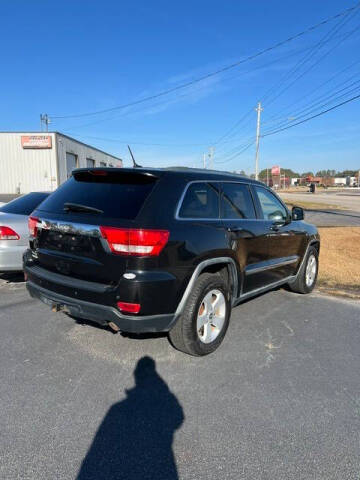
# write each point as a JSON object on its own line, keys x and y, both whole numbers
{"x": 236, "y": 201}
{"x": 201, "y": 201}
{"x": 271, "y": 207}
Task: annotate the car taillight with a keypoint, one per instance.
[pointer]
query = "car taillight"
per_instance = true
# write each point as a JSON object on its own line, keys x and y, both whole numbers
{"x": 7, "y": 233}
{"x": 138, "y": 242}
{"x": 33, "y": 222}
{"x": 129, "y": 307}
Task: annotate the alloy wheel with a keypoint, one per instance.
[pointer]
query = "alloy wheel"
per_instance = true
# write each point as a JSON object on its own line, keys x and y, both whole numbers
{"x": 211, "y": 316}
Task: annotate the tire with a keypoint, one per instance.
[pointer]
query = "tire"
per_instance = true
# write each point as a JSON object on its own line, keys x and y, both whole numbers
{"x": 209, "y": 289}
{"x": 302, "y": 283}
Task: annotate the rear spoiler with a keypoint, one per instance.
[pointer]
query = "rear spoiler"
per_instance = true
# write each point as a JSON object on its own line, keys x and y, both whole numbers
{"x": 115, "y": 175}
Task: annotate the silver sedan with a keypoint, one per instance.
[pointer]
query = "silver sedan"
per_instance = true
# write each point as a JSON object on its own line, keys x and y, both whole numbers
{"x": 14, "y": 235}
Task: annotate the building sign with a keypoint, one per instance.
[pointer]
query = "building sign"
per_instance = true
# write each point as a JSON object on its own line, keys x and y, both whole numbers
{"x": 275, "y": 170}
{"x": 36, "y": 141}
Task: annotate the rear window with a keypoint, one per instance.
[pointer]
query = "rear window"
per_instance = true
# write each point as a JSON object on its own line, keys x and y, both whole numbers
{"x": 24, "y": 205}
{"x": 118, "y": 195}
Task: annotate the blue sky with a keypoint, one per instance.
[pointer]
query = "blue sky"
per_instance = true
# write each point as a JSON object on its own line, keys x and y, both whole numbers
{"x": 78, "y": 56}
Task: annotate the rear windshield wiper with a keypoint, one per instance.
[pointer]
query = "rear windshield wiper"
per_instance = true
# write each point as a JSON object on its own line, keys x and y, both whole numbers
{"x": 77, "y": 207}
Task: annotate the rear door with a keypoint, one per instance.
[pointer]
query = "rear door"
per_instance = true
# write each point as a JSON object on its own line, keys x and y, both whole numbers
{"x": 246, "y": 233}
{"x": 69, "y": 242}
{"x": 285, "y": 239}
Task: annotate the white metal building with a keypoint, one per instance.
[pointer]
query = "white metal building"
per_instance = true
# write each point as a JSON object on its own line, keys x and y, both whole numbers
{"x": 39, "y": 161}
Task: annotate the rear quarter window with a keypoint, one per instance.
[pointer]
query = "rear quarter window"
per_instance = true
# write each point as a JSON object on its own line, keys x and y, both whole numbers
{"x": 118, "y": 195}
{"x": 201, "y": 200}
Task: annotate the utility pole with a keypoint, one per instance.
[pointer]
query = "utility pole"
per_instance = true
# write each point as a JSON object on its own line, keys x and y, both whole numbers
{"x": 211, "y": 157}
{"x": 44, "y": 119}
{"x": 267, "y": 177}
{"x": 204, "y": 159}
{"x": 258, "y": 110}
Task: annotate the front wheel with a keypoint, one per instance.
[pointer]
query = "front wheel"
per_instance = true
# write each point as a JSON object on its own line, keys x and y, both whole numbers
{"x": 203, "y": 324}
{"x": 307, "y": 275}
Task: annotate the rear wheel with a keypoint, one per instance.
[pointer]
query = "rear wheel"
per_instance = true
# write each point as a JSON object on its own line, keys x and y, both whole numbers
{"x": 203, "y": 324}
{"x": 307, "y": 275}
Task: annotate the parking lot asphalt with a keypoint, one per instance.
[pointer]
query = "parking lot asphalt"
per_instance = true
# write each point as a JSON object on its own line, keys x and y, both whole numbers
{"x": 279, "y": 400}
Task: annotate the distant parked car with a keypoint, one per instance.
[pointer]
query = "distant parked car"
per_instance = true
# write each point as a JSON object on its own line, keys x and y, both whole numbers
{"x": 14, "y": 233}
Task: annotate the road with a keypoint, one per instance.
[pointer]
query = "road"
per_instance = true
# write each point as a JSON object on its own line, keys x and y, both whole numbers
{"x": 348, "y": 199}
{"x": 280, "y": 399}
{"x": 347, "y": 216}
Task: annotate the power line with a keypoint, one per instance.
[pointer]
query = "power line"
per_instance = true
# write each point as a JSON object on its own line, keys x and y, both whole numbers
{"x": 242, "y": 150}
{"x": 314, "y": 49}
{"x": 107, "y": 139}
{"x": 315, "y": 106}
{"x": 314, "y": 64}
{"x": 313, "y": 116}
{"x": 274, "y": 118}
{"x": 211, "y": 74}
{"x": 324, "y": 40}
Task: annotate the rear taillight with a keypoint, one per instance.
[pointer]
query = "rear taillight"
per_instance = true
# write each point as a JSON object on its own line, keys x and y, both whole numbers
{"x": 129, "y": 307}
{"x": 138, "y": 242}
{"x": 7, "y": 233}
{"x": 33, "y": 223}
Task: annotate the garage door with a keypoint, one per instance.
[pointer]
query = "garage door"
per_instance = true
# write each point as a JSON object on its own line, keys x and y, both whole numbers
{"x": 71, "y": 163}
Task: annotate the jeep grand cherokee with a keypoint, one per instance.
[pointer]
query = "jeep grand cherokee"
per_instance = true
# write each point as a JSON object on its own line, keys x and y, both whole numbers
{"x": 165, "y": 250}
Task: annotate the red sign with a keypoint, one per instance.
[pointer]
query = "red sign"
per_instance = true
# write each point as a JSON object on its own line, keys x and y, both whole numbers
{"x": 275, "y": 170}
{"x": 36, "y": 141}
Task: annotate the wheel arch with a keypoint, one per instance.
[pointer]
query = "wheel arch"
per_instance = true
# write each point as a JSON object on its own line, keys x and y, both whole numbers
{"x": 212, "y": 265}
{"x": 314, "y": 242}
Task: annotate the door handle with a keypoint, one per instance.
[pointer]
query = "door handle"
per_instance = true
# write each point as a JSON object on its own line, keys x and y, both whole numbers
{"x": 234, "y": 229}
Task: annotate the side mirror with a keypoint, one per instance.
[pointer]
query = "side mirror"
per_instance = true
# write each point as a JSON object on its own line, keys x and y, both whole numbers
{"x": 277, "y": 217}
{"x": 297, "y": 213}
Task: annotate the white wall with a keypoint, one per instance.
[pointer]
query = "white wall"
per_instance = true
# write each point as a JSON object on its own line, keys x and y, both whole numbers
{"x": 340, "y": 181}
{"x": 27, "y": 169}
{"x": 30, "y": 169}
{"x": 65, "y": 144}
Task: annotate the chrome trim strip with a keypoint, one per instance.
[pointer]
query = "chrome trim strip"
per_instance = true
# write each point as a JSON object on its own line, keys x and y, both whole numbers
{"x": 70, "y": 227}
{"x": 251, "y": 271}
{"x": 196, "y": 273}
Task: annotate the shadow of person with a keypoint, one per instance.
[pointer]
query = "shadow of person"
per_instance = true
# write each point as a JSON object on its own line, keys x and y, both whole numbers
{"x": 135, "y": 438}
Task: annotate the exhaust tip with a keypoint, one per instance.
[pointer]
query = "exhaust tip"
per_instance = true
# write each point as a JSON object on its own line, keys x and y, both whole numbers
{"x": 114, "y": 327}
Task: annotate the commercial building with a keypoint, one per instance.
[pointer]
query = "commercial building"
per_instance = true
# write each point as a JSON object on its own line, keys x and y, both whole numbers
{"x": 42, "y": 161}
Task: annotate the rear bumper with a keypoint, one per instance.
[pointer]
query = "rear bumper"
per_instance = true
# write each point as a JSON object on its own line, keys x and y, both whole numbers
{"x": 11, "y": 258}
{"x": 102, "y": 314}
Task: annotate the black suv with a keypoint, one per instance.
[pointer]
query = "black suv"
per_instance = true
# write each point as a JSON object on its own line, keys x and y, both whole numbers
{"x": 165, "y": 250}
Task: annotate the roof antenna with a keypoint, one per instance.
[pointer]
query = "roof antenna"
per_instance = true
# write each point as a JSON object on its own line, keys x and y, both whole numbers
{"x": 135, "y": 165}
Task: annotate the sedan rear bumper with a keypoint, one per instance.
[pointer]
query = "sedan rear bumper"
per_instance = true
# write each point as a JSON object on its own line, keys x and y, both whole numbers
{"x": 102, "y": 314}
{"x": 11, "y": 258}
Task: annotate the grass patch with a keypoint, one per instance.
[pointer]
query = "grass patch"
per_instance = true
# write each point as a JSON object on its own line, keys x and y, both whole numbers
{"x": 340, "y": 259}
{"x": 312, "y": 205}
